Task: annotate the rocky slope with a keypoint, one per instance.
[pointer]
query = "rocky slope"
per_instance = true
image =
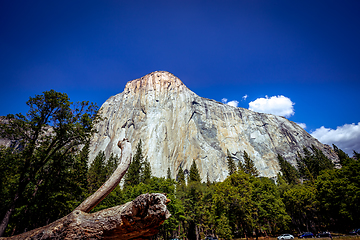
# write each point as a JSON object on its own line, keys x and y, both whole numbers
{"x": 177, "y": 126}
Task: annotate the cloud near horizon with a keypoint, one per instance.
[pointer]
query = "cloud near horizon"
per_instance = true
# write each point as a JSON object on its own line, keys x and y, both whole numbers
{"x": 277, "y": 105}
{"x": 346, "y": 137}
{"x": 303, "y": 125}
{"x": 233, "y": 103}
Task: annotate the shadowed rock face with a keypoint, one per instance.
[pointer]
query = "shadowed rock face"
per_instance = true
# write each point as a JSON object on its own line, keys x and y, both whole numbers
{"x": 177, "y": 126}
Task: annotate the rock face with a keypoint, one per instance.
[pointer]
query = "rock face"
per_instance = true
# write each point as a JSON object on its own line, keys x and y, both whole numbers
{"x": 177, "y": 126}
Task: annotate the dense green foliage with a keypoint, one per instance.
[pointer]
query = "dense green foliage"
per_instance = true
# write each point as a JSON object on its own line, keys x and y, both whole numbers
{"x": 248, "y": 166}
{"x": 133, "y": 174}
{"x": 48, "y": 184}
{"x": 289, "y": 172}
{"x": 43, "y": 173}
{"x": 230, "y": 163}
{"x": 338, "y": 194}
{"x": 312, "y": 163}
{"x": 194, "y": 173}
{"x": 180, "y": 178}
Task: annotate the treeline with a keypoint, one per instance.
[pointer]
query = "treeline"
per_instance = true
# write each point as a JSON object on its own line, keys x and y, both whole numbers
{"x": 45, "y": 175}
{"x": 314, "y": 196}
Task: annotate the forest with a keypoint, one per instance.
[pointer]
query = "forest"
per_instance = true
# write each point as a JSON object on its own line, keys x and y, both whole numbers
{"x": 45, "y": 174}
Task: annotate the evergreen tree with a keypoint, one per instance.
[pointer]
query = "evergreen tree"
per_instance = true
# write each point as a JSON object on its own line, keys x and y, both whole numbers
{"x": 343, "y": 157}
{"x": 101, "y": 170}
{"x": 241, "y": 166}
{"x": 230, "y": 163}
{"x": 50, "y": 134}
{"x": 356, "y": 155}
{"x": 338, "y": 195}
{"x": 208, "y": 182}
{"x": 168, "y": 175}
{"x": 232, "y": 199}
{"x": 81, "y": 164}
{"x": 194, "y": 173}
{"x": 302, "y": 166}
{"x": 180, "y": 176}
{"x": 111, "y": 165}
{"x": 146, "y": 173}
{"x": 97, "y": 173}
{"x": 312, "y": 163}
{"x": 288, "y": 171}
{"x": 191, "y": 197}
{"x": 269, "y": 212}
{"x": 249, "y": 166}
{"x": 133, "y": 174}
{"x": 322, "y": 162}
{"x": 300, "y": 202}
{"x": 223, "y": 227}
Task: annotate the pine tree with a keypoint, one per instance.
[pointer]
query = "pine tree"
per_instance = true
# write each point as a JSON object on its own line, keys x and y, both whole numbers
{"x": 97, "y": 172}
{"x": 288, "y": 171}
{"x": 322, "y": 162}
{"x": 194, "y": 173}
{"x": 230, "y": 163}
{"x": 249, "y": 165}
{"x": 304, "y": 165}
{"x": 312, "y": 163}
{"x": 111, "y": 165}
{"x": 241, "y": 166}
{"x": 343, "y": 157}
{"x": 208, "y": 182}
{"x": 180, "y": 176}
{"x": 301, "y": 166}
{"x": 81, "y": 165}
{"x": 146, "y": 173}
{"x": 133, "y": 174}
{"x": 168, "y": 175}
{"x": 338, "y": 195}
{"x": 51, "y": 132}
{"x": 356, "y": 155}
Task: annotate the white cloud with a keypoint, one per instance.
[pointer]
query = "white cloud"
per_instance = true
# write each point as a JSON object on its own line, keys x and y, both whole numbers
{"x": 245, "y": 97}
{"x": 278, "y": 105}
{"x": 233, "y": 103}
{"x": 346, "y": 137}
{"x": 303, "y": 125}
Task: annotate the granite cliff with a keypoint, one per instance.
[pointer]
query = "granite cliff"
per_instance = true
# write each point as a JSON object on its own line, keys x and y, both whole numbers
{"x": 177, "y": 126}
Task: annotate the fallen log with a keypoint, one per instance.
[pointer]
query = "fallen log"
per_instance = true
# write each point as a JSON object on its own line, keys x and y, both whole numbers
{"x": 138, "y": 219}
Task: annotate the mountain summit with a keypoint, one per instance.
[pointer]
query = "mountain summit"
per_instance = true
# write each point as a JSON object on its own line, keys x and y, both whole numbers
{"x": 177, "y": 126}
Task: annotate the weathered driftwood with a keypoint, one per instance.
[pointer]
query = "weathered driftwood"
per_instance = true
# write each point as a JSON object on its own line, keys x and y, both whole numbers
{"x": 112, "y": 182}
{"x": 137, "y": 219}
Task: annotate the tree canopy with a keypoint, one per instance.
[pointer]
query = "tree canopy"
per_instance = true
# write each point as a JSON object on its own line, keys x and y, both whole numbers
{"x": 50, "y": 135}
{"x": 288, "y": 171}
{"x": 230, "y": 163}
{"x": 194, "y": 173}
{"x": 248, "y": 166}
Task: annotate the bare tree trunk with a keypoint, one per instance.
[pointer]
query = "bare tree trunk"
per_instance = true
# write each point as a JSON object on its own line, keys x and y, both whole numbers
{"x": 197, "y": 232}
{"x": 6, "y": 219}
{"x": 112, "y": 182}
{"x": 137, "y": 219}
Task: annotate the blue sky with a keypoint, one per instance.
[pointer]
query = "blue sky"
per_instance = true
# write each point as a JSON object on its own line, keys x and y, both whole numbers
{"x": 295, "y": 58}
